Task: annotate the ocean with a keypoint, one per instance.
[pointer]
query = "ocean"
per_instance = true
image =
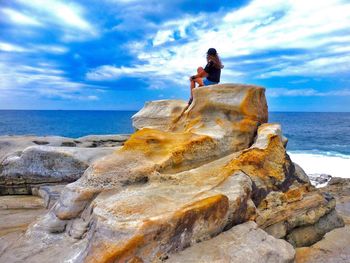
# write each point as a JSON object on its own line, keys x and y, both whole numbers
{"x": 319, "y": 142}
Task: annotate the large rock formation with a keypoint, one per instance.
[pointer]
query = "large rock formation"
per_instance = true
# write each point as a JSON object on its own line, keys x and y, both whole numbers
{"x": 216, "y": 165}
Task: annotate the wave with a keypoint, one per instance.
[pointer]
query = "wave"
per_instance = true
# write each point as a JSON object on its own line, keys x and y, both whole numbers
{"x": 322, "y": 162}
{"x": 320, "y": 152}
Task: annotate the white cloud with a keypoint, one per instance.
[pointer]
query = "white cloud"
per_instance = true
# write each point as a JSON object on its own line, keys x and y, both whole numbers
{"x": 44, "y": 80}
{"x": 20, "y": 18}
{"x": 68, "y": 16}
{"x": 163, "y": 36}
{"x": 176, "y": 27}
{"x": 53, "y": 49}
{"x": 313, "y": 67}
{"x": 284, "y": 92}
{"x": 258, "y": 27}
{"x": 11, "y": 47}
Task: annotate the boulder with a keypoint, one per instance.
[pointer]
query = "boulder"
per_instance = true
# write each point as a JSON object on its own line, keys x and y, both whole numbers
{"x": 340, "y": 189}
{"x": 334, "y": 247}
{"x": 159, "y": 114}
{"x": 219, "y": 164}
{"x": 242, "y": 243}
{"x": 308, "y": 235}
{"x": 45, "y": 165}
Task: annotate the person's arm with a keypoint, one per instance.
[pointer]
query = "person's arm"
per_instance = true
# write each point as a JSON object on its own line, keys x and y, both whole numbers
{"x": 202, "y": 73}
{"x": 208, "y": 66}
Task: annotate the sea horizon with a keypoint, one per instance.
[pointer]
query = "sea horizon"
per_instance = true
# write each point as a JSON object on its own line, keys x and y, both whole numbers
{"x": 316, "y": 140}
{"x": 140, "y": 109}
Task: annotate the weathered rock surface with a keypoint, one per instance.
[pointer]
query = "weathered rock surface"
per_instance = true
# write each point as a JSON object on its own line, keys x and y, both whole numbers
{"x": 339, "y": 188}
{"x": 49, "y": 193}
{"x": 159, "y": 114}
{"x": 242, "y": 243}
{"x": 12, "y": 145}
{"x": 16, "y": 213}
{"x": 217, "y": 165}
{"x": 46, "y": 165}
{"x": 334, "y": 247}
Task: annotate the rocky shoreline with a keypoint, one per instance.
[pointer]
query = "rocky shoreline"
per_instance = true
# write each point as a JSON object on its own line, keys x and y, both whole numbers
{"x": 30, "y": 161}
{"x": 187, "y": 180}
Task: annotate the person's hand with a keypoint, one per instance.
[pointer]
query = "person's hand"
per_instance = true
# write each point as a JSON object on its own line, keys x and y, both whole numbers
{"x": 193, "y": 77}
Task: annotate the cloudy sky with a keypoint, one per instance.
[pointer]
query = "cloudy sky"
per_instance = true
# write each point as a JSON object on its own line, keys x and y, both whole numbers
{"x": 117, "y": 54}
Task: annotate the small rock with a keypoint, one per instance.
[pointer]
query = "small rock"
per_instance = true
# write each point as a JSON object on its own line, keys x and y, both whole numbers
{"x": 319, "y": 179}
{"x": 334, "y": 247}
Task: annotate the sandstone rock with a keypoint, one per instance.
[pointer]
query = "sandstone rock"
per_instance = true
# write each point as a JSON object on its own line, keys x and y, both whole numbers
{"x": 93, "y": 141}
{"x": 334, "y": 247}
{"x": 300, "y": 173}
{"x": 17, "y": 212}
{"x": 49, "y": 193}
{"x": 308, "y": 235}
{"x": 45, "y": 164}
{"x": 159, "y": 114}
{"x": 340, "y": 189}
{"x": 243, "y": 243}
{"x": 216, "y": 166}
{"x": 14, "y": 145}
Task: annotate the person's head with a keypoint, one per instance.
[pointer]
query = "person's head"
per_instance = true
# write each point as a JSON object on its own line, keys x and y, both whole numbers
{"x": 212, "y": 55}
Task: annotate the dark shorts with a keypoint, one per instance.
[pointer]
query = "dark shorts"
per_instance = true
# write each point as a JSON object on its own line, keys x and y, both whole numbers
{"x": 207, "y": 82}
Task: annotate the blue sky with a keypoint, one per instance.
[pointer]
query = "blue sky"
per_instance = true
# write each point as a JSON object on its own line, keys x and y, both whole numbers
{"x": 111, "y": 54}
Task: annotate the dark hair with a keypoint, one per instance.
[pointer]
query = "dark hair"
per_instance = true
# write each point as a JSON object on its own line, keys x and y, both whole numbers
{"x": 215, "y": 59}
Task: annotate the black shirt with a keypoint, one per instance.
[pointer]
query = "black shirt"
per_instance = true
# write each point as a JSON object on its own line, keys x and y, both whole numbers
{"x": 213, "y": 72}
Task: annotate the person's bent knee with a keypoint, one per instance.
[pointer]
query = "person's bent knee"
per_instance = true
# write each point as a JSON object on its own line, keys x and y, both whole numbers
{"x": 199, "y": 69}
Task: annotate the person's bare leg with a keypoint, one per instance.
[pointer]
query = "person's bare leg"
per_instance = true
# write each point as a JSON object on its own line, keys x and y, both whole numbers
{"x": 199, "y": 81}
{"x": 200, "y": 73}
{"x": 193, "y": 85}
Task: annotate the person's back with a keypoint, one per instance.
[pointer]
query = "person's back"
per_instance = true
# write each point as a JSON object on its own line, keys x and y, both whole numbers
{"x": 213, "y": 72}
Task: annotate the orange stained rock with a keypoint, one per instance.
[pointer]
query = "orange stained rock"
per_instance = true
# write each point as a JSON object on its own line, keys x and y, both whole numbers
{"x": 310, "y": 201}
{"x": 245, "y": 125}
{"x": 159, "y": 144}
{"x": 296, "y": 194}
{"x": 198, "y": 220}
{"x": 263, "y": 163}
{"x": 304, "y": 254}
{"x": 251, "y": 105}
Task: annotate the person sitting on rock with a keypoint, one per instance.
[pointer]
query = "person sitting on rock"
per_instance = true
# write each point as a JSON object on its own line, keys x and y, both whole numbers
{"x": 210, "y": 75}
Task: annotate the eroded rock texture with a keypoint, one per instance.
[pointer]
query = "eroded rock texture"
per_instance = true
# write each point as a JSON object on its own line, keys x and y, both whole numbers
{"x": 242, "y": 243}
{"x": 216, "y": 165}
{"x": 36, "y": 165}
